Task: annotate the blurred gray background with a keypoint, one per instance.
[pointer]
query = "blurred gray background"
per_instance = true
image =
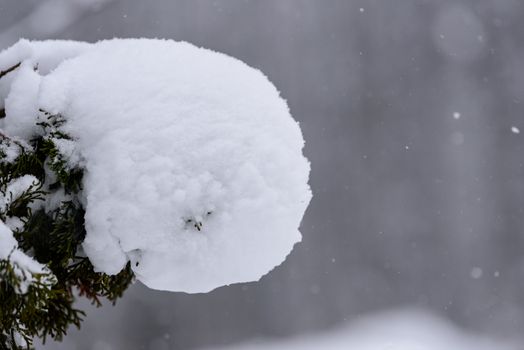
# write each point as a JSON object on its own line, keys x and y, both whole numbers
{"x": 407, "y": 108}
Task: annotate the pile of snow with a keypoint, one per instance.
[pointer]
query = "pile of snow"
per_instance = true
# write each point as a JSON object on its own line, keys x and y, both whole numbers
{"x": 410, "y": 329}
{"x": 193, "y": 164}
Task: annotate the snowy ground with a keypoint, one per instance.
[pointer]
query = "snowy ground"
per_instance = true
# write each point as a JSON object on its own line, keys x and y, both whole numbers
{"x": 409, "y": 329}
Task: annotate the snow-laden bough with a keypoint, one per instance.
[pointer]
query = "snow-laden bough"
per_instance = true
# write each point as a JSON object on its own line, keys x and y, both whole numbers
{"x": 25, "y": 268}
{"x": 193, "y": 165}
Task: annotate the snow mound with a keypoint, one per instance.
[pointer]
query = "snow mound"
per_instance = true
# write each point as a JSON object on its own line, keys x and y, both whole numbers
{"x": 193, "y": 164}
{"x": 402, "y": 329}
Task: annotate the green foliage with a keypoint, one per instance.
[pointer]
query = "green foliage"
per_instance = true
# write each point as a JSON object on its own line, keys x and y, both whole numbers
{"x": 52, "y": 237}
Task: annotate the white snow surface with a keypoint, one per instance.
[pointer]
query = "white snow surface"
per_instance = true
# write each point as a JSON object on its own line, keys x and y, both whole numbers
{"x": 402, "y": 329}
{"x": 41, "y": 56}
{"x": 16, "y": 188}
{"x": 193, "y": 164}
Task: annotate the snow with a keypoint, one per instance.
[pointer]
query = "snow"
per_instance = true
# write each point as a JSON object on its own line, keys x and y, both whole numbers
{"x": 16, "y": 188}
{"x": 69, "y": 152}
{"x": 403, "y": 329}
{"x": 476, "y": 273}
{"x": 43, "y": 55}
{"x": 11, "y": 147}
{"x": 21, "y": 103}
{"x": 9, "y": 151}
{"x": 24, "y": 266}
{"x": 55, "y": 199}
{"x": 193, "y": 164}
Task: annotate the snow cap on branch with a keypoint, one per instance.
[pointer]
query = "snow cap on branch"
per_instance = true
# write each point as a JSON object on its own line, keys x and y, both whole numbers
{"x": 193, "y": 164}
{"x": 25, "y": 268}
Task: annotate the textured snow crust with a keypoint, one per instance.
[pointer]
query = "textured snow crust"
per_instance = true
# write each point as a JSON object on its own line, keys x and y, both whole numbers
{"x": 193, "y": 164}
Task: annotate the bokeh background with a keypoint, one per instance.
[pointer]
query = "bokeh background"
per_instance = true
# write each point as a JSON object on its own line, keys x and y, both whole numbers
{"x": 411, "y": 111}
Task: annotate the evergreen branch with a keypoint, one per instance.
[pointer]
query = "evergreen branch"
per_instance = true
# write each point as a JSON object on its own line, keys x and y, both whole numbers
{"x": 53, "y": 238}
